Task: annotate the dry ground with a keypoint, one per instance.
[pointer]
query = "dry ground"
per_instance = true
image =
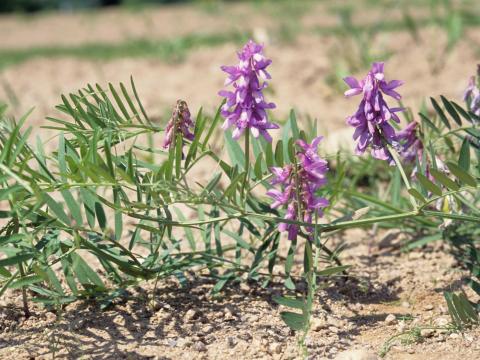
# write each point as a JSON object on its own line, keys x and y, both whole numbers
{"x": 243, "y": 322}
{"x": 349, "y": 318}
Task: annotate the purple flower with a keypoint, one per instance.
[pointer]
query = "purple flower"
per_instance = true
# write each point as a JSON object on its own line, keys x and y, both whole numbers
{"x": 410, "y": 146}
{"x": 472, "y": 94}
{"x": 299, "y": 186}
{"x": 371, "y": 120}
{"x": 245, "y": 106}
{"x": 180, "y": 123}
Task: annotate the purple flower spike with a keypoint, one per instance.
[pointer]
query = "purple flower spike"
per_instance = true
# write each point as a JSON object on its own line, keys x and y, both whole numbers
{"x": 299, "y": 187}
{"x": 472, "y": 94}
{"x": 371, "y": 121}
{"x": 180, "y": 123}
{"x": 245, "y": 106}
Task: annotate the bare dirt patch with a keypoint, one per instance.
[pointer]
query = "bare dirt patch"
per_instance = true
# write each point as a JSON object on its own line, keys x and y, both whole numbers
{"x": 172, "y": 322}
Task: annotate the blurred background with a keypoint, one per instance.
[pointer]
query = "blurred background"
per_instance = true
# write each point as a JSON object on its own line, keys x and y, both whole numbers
{"x": 174, "y": 50}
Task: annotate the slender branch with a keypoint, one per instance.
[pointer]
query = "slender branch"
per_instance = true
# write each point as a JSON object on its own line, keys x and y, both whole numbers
{"x": 451, "y": 192}
{"x": 396, "y": 158}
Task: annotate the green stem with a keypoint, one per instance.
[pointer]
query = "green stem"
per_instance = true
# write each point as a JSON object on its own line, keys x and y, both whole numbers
{"x": 247, "y": 167}
{"x": 322, "y": 227}
{"x": 451, "y": 132}
{"x": 396, "y": 158}
{"x": 451, "y": 192}
{"x": 311, "y": 278}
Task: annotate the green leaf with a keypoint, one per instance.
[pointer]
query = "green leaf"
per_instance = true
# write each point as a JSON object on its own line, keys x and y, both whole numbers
{"x": 290, "y": 302}
{"x": 16, "y": 259}
{"x": 222, "y": 282}
{"x": 257, "y": 169}
{"x": 279, "y": 153}
{"x": 101, "y": 217}
{"x": 269, "y": 155}
{"x": 440, "y": 113}
{"x": 424, "y": 241}
{"x": 444, "y": 180}
{"x": 290, "y": 130}
{"x": 464, "y": 158}
{"x": 289, "y": 284}
{"x": 294, "y": 321}
{"x": 119, "y": 102}
{"x": 118, "y": 214}
{"x": 467, "y": 307}
{"x": 307, "y": 257}
{"x": 428, "y": 185}
{"x": 240, "y": 242}
{"x": 333, "y": 270}
{"x": 85, "y": 273}
{"x": 25, "y": 281}
{"x": 199, "y": 128}
{"x": 451, "y": 309}
{"x": 429, "y": 122}
{"x": 57, "y": 209}
{"x": 235, "y": 152}
{"x": 213, "y": 126}
{"x": 461, "y": 111}
{"x": 188, "y": 231}
{"x": 138, "y": 99}
{"x": 451, "y": 110}
{"x": 461, "y": 174}
{"x": 89, "y": 206}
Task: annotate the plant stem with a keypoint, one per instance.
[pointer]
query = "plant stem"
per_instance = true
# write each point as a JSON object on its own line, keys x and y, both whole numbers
{"x": 247, "y": 167}
{"x": 26, "y": 310}
{"x": 396, "y": 158}
{"x": 311, "y": 278}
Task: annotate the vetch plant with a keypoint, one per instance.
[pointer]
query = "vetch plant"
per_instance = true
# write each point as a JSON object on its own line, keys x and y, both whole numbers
{"x": 245, "y": 107}
{"x": 472, "y": 95}
{"x": 300, "y": 182}
{"x": 142, "y": 212}
{"x": 179, "y": 124}
{"x": 372, "y": 119}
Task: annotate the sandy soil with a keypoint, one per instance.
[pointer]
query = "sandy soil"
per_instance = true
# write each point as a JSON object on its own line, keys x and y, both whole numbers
{"x": 350, "y": 317}
{"x": 243, "y": 322}
{"x": 300, "y": 69}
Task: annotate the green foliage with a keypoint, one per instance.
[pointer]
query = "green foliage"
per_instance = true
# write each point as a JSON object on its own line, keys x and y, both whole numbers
{"x": 462, "y": 312}
{"x": 141, "y": 213}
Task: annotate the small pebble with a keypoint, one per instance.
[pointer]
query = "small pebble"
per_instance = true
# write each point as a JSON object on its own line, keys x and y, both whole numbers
{"x": 333, "y": 329}
{"x": 190, "y": 315}
{"x": 199, "y": 346}
{"x": 426, "y": 333}
{"x": 428, "y": 307}
{"x": 401, "y": 326}
{"x": 318, "y": 324}
{"x": 442, "y": 321}
{"x": 390, "y": 319}
{"x": 358, "y": 354}
{"x": 231, "y": 342}
{"x": 275, "y": 348}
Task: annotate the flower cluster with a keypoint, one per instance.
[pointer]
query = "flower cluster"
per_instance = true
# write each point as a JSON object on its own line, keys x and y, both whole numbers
{"x": 409, "y": 144}
{"x": 245, "y": 106}
{"x": 371, "y": 121}
{"x": 472, "y": 93}
{"x": 180, "y": 123}
{"x": 299, "y": 186}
